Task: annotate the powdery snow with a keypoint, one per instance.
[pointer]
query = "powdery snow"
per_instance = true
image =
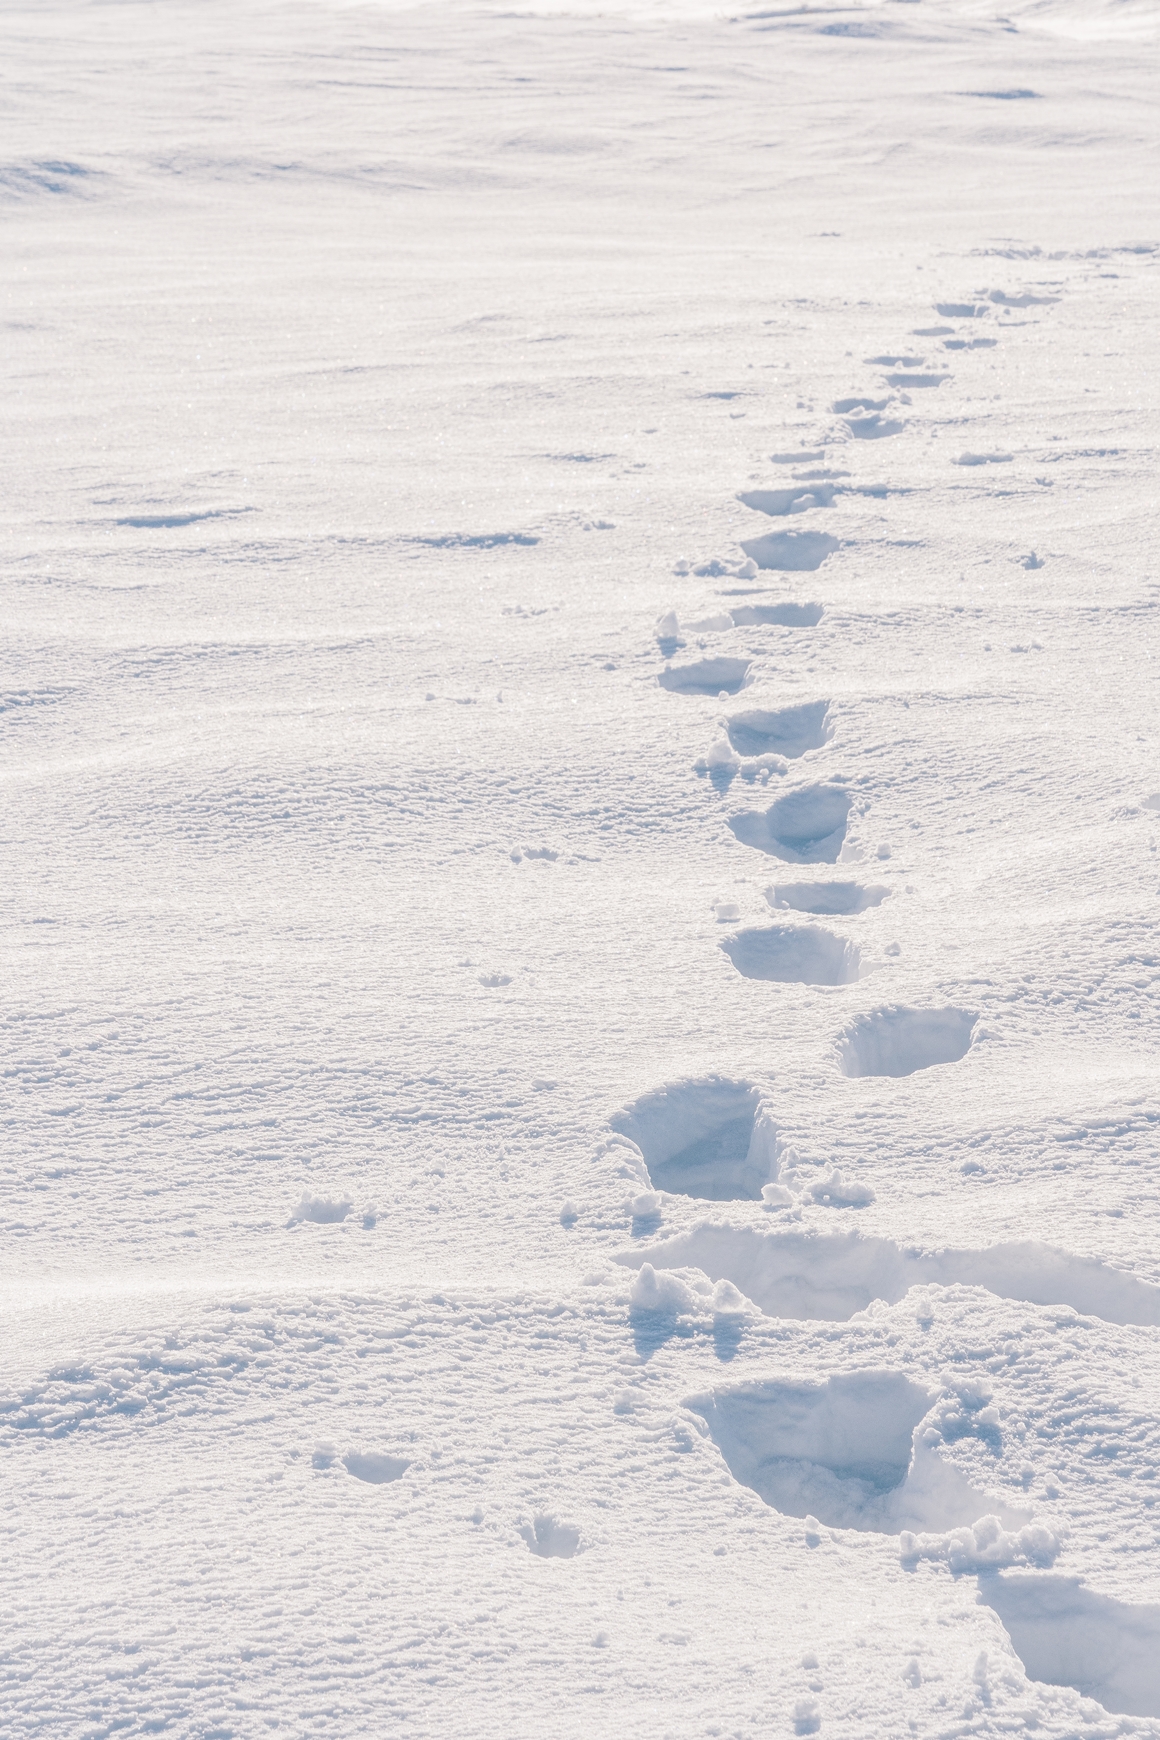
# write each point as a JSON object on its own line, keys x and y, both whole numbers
{"x": 580, "y": 870}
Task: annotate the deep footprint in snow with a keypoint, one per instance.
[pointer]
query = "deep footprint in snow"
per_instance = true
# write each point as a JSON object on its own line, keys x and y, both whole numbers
{"x": 788, "y": 731}
{"x": 776, "y": 615}
{"x": 705, "y": 1139}
{"x": 827, "y": 1277}
{"x": 705, "y": 677}
{"x": 872, "y": 427}
{"x": 793, "y": 955}
{"x": 806, "y": 826}
{"x": 898, "y": 1041}
{"x": 825, "y": 899}
{"x": 1067, "y": 1635}
{"x": 907, "y": 381}
{"x": 548, "y": 1538}
{"x": 788, "y": 501}
{"x": 859, "y": 402}
{"x": 374, "y": 1467}
{"x": 842, "y": 1451}
{"x": 790, "y": 552}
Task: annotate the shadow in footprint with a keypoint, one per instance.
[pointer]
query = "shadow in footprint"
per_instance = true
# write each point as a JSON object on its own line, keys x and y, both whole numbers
{"x": 788, "y": 731}
{"x": 705, "y": 677}
{"x": 898, "y": 1041}
{"x": 728, "y": 1334}
{"x": 789, "y": 955}
{"x": 826, "y": 899}
{"x": 703, "y": 1138}
{"x": 842, "y": 1451}
{"x": 651, "y": 1330}
{"x": 1067, "y": 1635}
{"x": 806, "y": 826}
{"x": 790, "y": 552}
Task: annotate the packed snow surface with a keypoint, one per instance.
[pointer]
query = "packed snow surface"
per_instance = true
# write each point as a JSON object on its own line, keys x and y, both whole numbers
{"x": 581, "y": 849}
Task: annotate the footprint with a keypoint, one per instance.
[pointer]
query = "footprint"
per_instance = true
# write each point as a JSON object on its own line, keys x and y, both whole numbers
{"x": 970, "y": 343}
{"x": 788, "y": 731}
{"x": 778, "y": 615}
{"x": 843, "y": 1451}
{"x": 797, "y": 458}
{"x": 372, "y": 1466}
{"x": 705, "y": 677}
{"x": 895, "y": 362}
{"x": 790, "y": 552}
{"x": 1067, "y": 1635}
{"x": 831, "y": 899}
{"x": 961, "y": 310}
{"x": 908, "y": 380}
{"x": 706, "y": 1139}
{"x": 550, "y": 1539}
{"x": 859, "y": 402}
{"x": 788, "y": 501}
{"x": 1027, "y": 300}
{"x": 793, "y": 955}
{"x": 872, "y": 427}
{"x": 898, "y": 1041}
{"x": 983, "y": 459}
{"x": 828, "y": 1277}
{"x": 806, "y": 826}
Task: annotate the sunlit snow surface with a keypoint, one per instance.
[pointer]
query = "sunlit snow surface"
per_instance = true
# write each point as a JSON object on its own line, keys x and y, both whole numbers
{"x": 579, "y": 870}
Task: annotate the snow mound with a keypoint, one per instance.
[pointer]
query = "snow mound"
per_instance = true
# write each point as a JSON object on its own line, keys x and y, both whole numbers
{"x": 323, "y": 1210}
{"x": 985, "y": 1546}
{"x": 686, "y": 1293}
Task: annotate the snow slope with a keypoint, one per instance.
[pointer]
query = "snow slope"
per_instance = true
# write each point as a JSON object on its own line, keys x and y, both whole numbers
{"x": 581, "y": 806}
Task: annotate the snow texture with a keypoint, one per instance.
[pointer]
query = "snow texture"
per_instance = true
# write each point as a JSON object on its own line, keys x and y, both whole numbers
{"x": 579, "y": 870}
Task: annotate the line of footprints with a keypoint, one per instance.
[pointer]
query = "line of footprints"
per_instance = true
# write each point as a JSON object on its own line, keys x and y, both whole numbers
{"x": 859, "y": 1449}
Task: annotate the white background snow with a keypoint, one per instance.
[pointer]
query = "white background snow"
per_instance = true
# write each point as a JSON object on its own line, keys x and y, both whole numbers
{"x": 581, "y": 795}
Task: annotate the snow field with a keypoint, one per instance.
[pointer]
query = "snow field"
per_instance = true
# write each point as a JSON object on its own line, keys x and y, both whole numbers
{"x": 559, "y": 564}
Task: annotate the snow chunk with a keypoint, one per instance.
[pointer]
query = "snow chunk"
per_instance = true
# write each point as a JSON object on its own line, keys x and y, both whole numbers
{"x": 835, "y": 1191}
{"x": 323, "y": 1210}
{"x": 720, "y": 758}
{"x": 985, "y": 1546}
{"x": 686, "y": 1293}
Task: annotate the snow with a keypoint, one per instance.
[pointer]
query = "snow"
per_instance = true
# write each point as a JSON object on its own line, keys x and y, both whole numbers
{"x": 580, "y": 861}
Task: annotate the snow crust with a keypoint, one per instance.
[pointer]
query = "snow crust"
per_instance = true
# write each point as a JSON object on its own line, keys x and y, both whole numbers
{"x": 579, "y": 870}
